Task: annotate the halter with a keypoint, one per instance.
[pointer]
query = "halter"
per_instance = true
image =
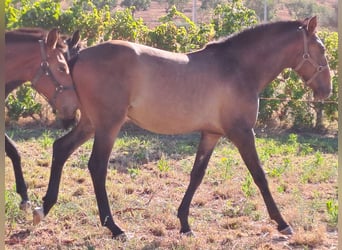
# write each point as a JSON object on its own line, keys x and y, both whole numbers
{"x": 45, "y": 69}
{"x": 308, "y": 58}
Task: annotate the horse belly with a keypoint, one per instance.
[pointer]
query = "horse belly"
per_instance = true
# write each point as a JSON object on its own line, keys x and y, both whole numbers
{"x": 165, "y": 116}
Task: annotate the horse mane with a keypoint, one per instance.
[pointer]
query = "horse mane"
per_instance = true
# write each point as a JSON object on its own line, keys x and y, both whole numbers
{"x": 30, "y": 35}
{"x": 72, "y": 62}
{"x": 251, "y": 34}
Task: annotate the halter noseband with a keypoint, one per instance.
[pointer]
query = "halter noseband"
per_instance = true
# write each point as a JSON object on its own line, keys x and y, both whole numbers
{"x": 308, "y": 58}
{"x": 45, "y": 69}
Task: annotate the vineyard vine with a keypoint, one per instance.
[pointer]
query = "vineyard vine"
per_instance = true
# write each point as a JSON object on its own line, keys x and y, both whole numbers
{"x": 286, "y": 99}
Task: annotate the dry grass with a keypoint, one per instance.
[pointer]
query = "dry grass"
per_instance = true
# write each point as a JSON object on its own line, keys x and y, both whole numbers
{"x": 147, "y": 188}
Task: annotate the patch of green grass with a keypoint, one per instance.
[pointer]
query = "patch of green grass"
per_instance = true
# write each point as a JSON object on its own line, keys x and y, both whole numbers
{"x": 277, "y": 171}
{"x": 13, "y": 213}
{"x": 227, "y": 210}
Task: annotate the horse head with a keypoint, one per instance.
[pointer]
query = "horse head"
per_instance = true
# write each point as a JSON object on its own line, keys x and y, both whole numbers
{"x": 54, "y": 68}
{"x": 312, "y": 63}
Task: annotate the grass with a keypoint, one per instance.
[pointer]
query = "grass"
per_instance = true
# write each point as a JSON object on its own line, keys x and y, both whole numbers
{"x": 147, "y": 177}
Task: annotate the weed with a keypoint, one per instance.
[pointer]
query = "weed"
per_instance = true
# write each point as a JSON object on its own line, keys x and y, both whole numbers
{"x": 247, "y": 186}
{"x": 12, "y": 211}
{"x": 305, "y": 149}
{"x": 332, "y": 210}
{"x": 293, "y": 139}
{"x": 133, "y": 172}
{"x": 282, "y": 187}
{"x": 46, "y": 139}
{"x": 315, "y": 171}
{"x": 278, "y": 171}
{"x": 163, "y": 165}
{"x": 226, "y": 164}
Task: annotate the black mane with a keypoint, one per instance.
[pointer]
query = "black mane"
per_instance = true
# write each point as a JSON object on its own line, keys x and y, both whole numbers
{"x": 251, "y": 34}
{"x": 29, "y": 35}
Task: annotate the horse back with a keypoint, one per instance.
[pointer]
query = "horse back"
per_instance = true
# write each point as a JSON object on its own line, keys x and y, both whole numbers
{"x": 161, "y": 91}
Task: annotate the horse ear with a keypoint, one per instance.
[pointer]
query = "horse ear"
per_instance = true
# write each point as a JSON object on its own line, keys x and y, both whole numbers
{"x": 75, "y": 39}
{"x": 312, "y": 25}
{"x": 305, "y": 22}
{"x": 52, "y": 38}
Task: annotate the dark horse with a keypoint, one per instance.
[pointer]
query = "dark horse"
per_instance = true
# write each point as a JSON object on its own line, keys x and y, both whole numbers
{"x": 214, "y": 91}
{"x": 43, "y": 64}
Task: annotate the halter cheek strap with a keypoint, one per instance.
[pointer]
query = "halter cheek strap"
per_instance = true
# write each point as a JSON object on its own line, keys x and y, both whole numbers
{"x": 307, "y": 58}
{"x": 45, "y": 69}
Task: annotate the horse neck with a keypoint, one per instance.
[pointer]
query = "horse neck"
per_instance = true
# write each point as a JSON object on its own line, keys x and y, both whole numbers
{"x": 22, "y": 61}
{"x": 267, "y": 57}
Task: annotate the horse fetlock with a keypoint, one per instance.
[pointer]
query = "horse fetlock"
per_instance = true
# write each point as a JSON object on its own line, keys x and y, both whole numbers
{"x": 38, "y": 215}
{"x": 122, "y": 237}
{"x": 25, "y": 205}
{"x": 286, "y": 231}
{"x": 189, "y": 233}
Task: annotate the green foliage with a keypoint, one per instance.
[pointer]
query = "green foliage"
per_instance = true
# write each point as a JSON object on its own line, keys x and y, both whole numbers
{"x": 163, "y": 165}
{"x": 248, "y": 187}
{"x": 179, "y": 4}
{"x": 11, "y": 15}
{"x": 93, "y": 22}
{"x": 124, "y": 26}
{"x": 210, "y": 4}
{"x": 12, "y": 211}
{"x": 179, "y": 34}
{"x": 300, "y": 9}
{"x": 43, "y": 13}
{"x": 330, "y": 40}
{"x": 138, "y": 4}
{"x": 46, "y": 140}
{"x": 332, "y": 210}
{"x": 22, "y": 103}
{"x": 102, "y": 3}
{"x": 258, "y": 7}
{"x": 286, "y": 99}
{"x": 232, "y": 17}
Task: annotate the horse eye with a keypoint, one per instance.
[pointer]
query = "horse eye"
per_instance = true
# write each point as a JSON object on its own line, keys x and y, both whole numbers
{"x": 62, "y": 69}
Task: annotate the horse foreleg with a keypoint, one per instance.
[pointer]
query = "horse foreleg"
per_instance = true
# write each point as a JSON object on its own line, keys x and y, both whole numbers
{"x": 205, "y": 149}
{"x": 245, "y": 142}
{"x": 103, "y": 144}
{"x": 21, "y": 188}
{"x": 62, "y": 149}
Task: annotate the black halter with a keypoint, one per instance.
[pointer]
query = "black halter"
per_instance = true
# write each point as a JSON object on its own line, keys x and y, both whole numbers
{"x": 45, "y": 69}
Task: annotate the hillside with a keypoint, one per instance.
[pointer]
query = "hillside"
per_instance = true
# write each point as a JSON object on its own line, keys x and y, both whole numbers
{"x": 158, "y": 9}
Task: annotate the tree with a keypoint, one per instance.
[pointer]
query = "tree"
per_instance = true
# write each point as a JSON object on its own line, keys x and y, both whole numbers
{"x": 258, "y": 7}
{"x": 138, "y": 4}
{"x": 232, "y": 17}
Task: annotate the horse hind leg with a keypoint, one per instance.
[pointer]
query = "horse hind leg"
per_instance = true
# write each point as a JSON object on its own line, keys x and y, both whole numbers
{"x": 21, "y": 187}
{"x": 245, "y": 142}
{"x": 205, "y": 149}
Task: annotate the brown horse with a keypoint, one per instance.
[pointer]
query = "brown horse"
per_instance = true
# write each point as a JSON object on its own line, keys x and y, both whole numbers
{"x": 36, "y": 55}
{"x": 214, "y": 91}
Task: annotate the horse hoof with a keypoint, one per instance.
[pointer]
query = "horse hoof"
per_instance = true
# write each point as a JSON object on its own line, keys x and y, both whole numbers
{"x": 287, "y": 231}
{"x": 121, "y": 237}
{"x": 24, "y": 205}
{"x": 38, "y": 215}
{"x": 188, "y": 234}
